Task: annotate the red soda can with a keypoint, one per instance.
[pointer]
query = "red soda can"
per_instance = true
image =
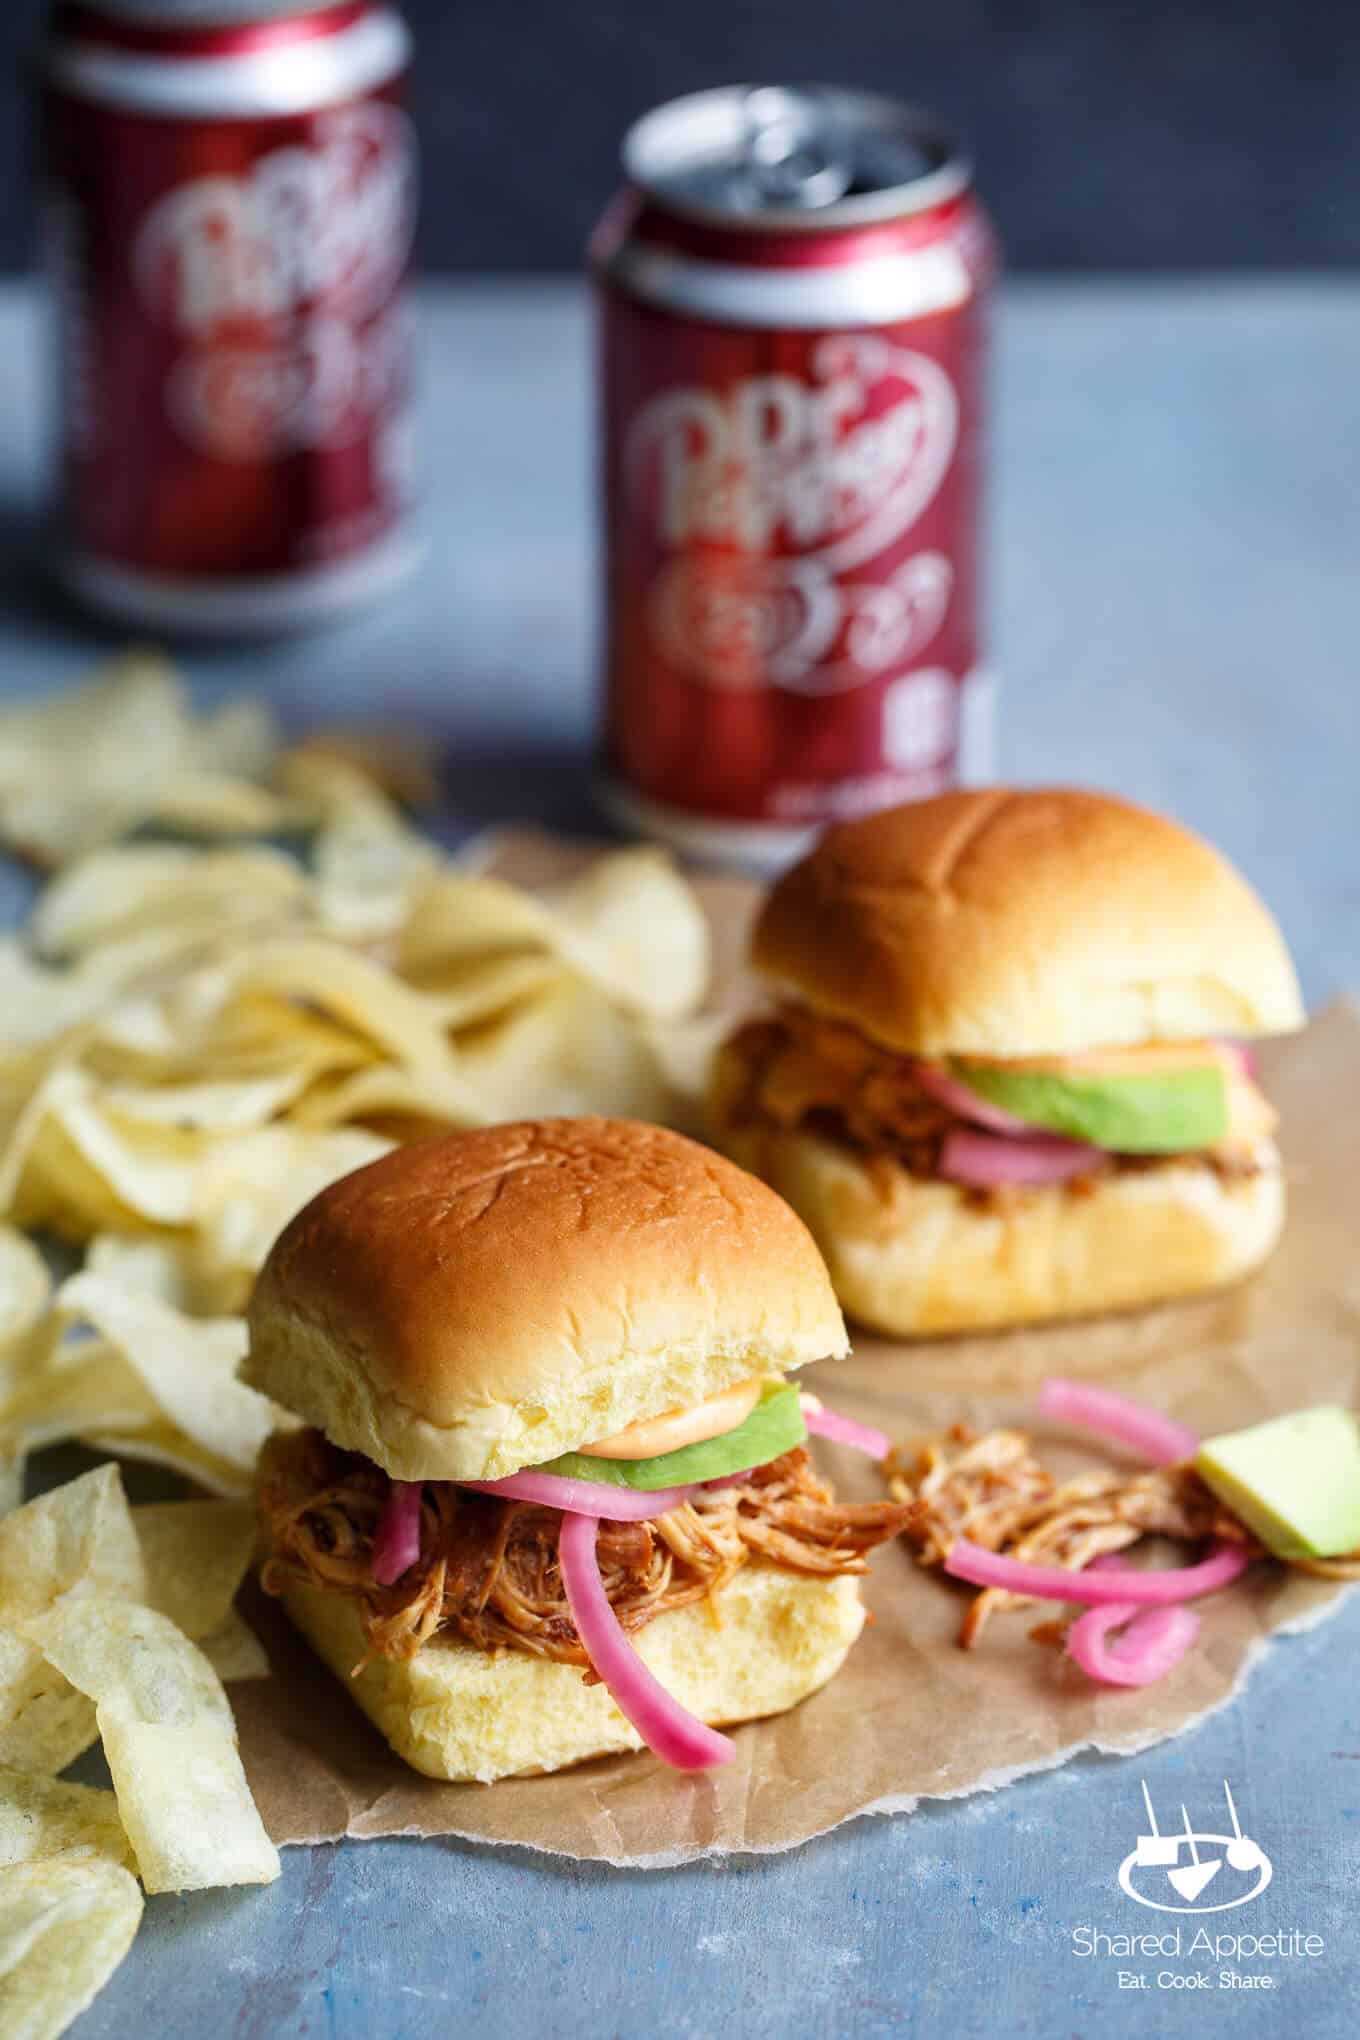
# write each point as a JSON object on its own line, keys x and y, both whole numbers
{"x": 792, "y": 291}
{"x": 229, "y": 199}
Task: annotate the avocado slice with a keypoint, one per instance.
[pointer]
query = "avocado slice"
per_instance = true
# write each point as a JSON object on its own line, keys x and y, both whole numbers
{"x": 775, "y": 1425}
{"x": 1164, "y": 1112}
{"x": 1294, "y": 1481}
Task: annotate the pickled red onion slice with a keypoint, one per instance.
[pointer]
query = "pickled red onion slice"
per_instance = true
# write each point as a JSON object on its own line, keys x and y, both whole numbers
{"x": 986, "y": 1161}
{"x": 1153, "y": 1643}
{"x": 845, "y": 1431}
{"x": 396, "y": 1540}
{"x": 955, "y": 1096}
{"x": 1144, "y": 1431}
{"x": 1097, "y": 1589}
{"x": 1243, "y": 1057}
{"x": 678, "y": 1737}
{"x": 586, "y": 1497}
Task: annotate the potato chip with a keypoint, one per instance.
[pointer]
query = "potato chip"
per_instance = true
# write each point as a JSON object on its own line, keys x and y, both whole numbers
{"x": 384, "y": 1090}
{"x": 461, "y": 916}
{"x": 350, "y": 987}
{"x": 684, "y": 1050}
{"x": 86, "y": 1172}
{"x": 84, "y": 1384}
{"x": 144, "y": 961}
{"x": 369, "y": 869}
{"x": 71, "y": 1546}
{"x": 255, "y": 1033}
{"x": 249, "y": 1189}
{"x": 200, "y": 1030}
{"x": 21, "y": 1126}
{"x": 632, "y": 925}
{"x": 240, "y": 736}
{"x": 25, "y": 1294}
{"x": 321, "y": 777}
{"x": 188, "y": 1364}
{"x": 166, "y": 1265}
{"x": 62, "y": 1191}
{"x": 196, "y": 1555}
{"x": 88, "y": 1391}
{"x": 221, "y": 1106}
{"x": 169, "y": 1741}
{"x": 64, "y": 1929}
{"x": 135, "y": 1037}
{"x": 78, "y": 1539}
{"x": 44, "y": 1723}
{"x": 69, "y": 1165}
{"x": 38, "y": 1003}
{"x": 79, "y": 766}
{"x": 216, "y": 804}
{"x": 567, "y": 1051}
{"x": 160, "y": 1444}
{"x": 142, "y": 886}
{"x": 61, "y": 1399}
{"x": 86, "y": 765}
{"x": 480, "y": 988}
{"x": 46, "y": 1819}
{"x": 328, "y": 760}
{"x": 153, "y": 1267}
{"x": 234, "y": 1651}
{"x": 25, "y": 1287}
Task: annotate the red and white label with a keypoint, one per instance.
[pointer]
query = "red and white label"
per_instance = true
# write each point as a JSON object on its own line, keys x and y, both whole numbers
{"x": 767, "y": 499}
{"x": 279, "y": 280}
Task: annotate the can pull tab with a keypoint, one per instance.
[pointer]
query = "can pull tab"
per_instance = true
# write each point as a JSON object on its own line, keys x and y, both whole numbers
{"x": 792, "y": 154}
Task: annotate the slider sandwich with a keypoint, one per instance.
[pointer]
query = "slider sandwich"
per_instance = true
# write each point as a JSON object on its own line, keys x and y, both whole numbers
{"x": 1005, "y": 1079}
{"x": 552, "y": 1496}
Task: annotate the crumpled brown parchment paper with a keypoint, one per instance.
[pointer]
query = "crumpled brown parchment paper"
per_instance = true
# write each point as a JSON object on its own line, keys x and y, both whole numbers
{"x": 910, "y": 1716}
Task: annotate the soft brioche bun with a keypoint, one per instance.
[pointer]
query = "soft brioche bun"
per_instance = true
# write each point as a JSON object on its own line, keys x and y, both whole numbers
{"x": 912, "y": 1257}
{"x": 1044, "y": 922}
{"x": 457, "y": 1712}
{"x": 474, "y": 1304}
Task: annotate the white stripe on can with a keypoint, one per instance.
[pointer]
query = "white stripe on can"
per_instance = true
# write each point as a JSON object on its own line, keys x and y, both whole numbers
{"x": 269, "y": 80}
{"x": 879, "y": 292}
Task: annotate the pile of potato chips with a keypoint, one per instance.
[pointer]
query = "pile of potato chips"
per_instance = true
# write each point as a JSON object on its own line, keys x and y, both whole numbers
{"x": 246, "y": 974}
{"x": 249, "y": 974}
{"x": 116, "y": 1624}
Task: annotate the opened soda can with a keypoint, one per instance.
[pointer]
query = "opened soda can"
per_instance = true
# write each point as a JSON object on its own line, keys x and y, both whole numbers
{"x": 792, "y": 302}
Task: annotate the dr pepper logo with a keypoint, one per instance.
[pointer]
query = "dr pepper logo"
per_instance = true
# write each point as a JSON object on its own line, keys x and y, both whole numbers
{"x": 273, "y": 280}
{"x": 765, "y": 499}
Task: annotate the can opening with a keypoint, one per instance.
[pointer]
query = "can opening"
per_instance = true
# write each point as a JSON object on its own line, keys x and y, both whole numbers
{"x": 794, "y": 154}
{"x": 777, "y": 155}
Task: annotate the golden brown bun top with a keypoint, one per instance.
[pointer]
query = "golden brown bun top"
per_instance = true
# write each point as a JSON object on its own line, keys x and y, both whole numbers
{"x": 469, "y": 1305}
{"x": 1043, "y": 922}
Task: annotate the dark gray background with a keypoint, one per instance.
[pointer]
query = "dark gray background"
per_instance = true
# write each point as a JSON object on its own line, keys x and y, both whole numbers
{"x": 1174, "y": 134}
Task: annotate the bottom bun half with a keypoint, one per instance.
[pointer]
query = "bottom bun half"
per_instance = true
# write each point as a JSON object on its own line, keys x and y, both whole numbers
{"x": 456, "y": 1712}
{"x": 916, "y": 1258}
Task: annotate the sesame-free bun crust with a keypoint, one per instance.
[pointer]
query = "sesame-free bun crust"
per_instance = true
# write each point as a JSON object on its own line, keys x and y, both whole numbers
{"x": 1045, "y": 922}
{"x": 453, "y": 1711}
{"x": 913, "y": 1258}
{"x": 478, "y": 1303}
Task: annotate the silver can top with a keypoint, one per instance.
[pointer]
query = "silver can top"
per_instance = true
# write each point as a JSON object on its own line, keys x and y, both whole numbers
{"x": 781, "y": 156}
